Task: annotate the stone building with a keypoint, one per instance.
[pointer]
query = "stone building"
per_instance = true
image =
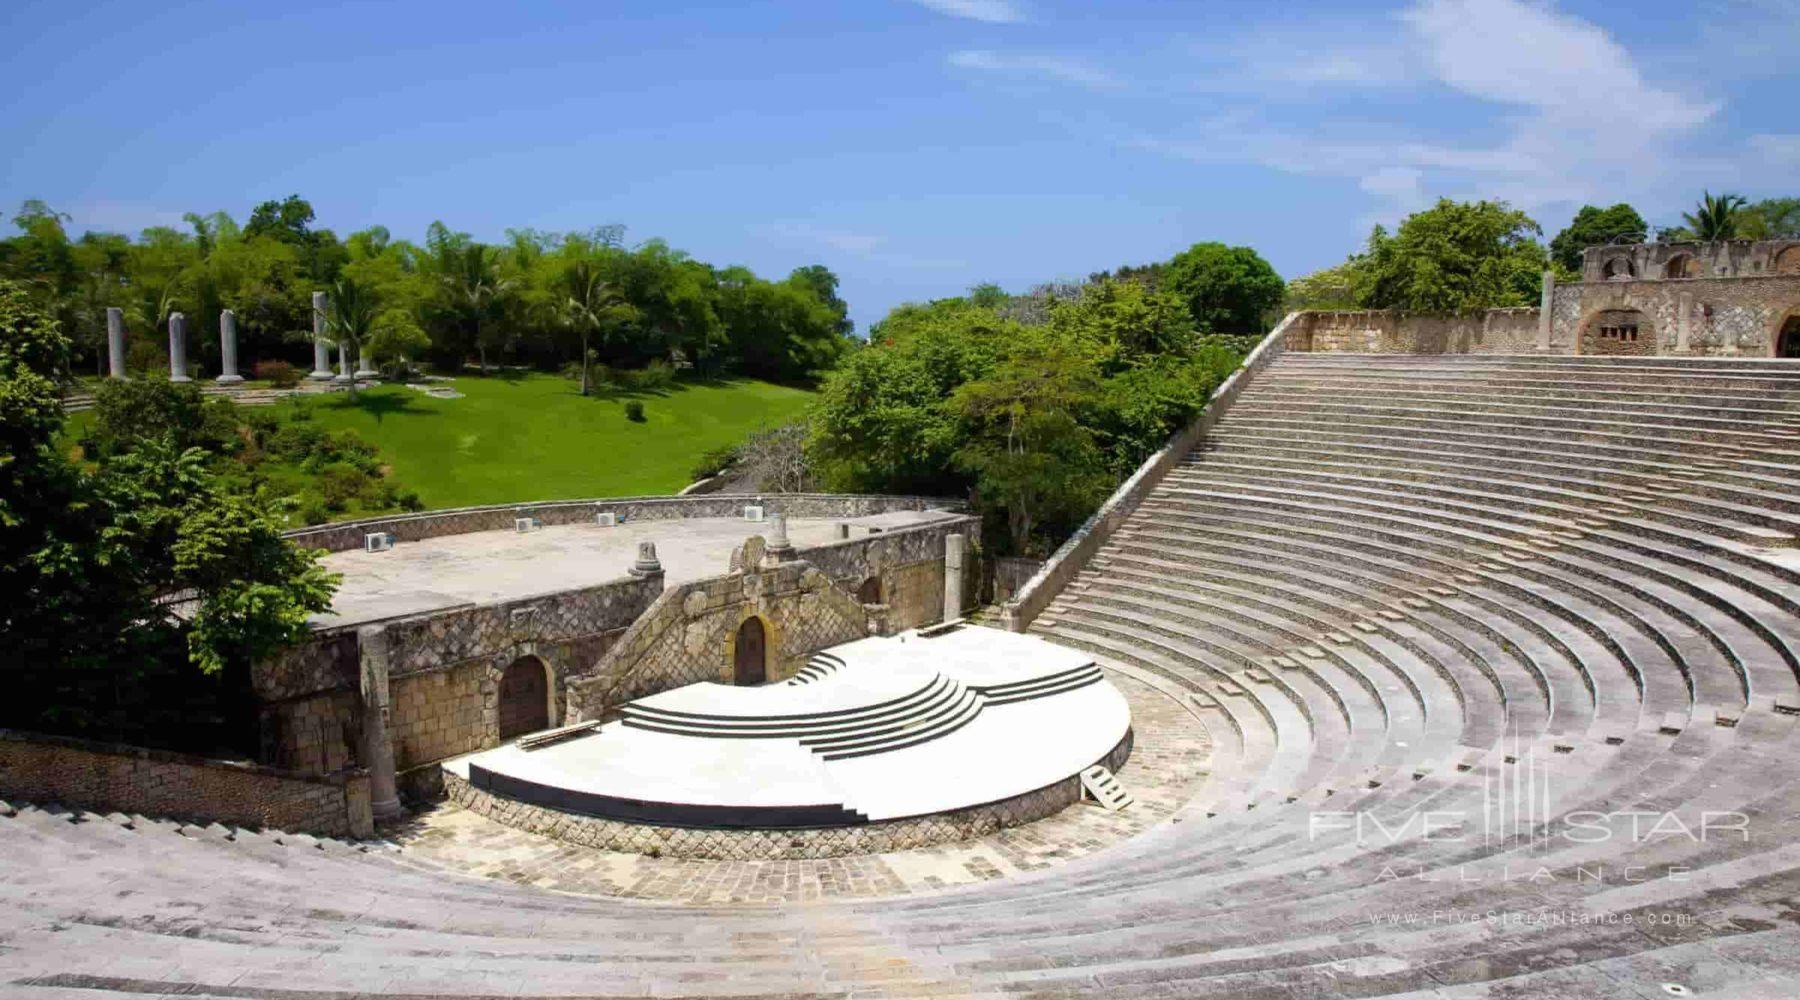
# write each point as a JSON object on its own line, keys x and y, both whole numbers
{"x": 1738, "y": 298}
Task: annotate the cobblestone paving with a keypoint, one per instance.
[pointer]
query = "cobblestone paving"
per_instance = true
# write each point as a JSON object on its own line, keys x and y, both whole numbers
{"x": 1167, "y": 766}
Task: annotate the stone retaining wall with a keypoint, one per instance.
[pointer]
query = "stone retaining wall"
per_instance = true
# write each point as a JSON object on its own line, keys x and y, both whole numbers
{"x": 1074, "y": 554}
{"x": 499, "y": 517}
{"x": 1379, "y": 331}
{"x": 753, "y": 845}
{"x": 110, "y": 777}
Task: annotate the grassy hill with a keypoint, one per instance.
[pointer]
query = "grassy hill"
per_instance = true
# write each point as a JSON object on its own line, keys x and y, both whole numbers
{"x": 531, "y": 436}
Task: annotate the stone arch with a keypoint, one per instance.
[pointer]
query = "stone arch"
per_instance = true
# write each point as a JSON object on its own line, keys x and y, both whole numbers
{"x": 1617, "y": 268}
{"x": 1784, "y": 334}
{"x": 1617, "y": 330}
{"x": 524, "y": 697}
{"x": 1787, "y": 261}
{"x": 748, "y": 651}
{"x": 1680, "y": 266}
{"x": 870, "y": 591}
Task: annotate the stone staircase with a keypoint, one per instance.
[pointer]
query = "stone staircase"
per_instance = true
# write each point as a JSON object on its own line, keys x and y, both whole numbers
{"x": 1391, "y": 585}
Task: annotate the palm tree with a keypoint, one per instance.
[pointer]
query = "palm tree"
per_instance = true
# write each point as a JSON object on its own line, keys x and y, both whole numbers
{"x": 589, "y": 303}
{"x": 475, "y": 282}
{"x": 1715, "y": 218}
{"x": 351, "y": 317}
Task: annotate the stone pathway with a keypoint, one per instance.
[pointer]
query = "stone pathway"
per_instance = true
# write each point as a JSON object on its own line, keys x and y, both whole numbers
{"x": 1168, "y": 764}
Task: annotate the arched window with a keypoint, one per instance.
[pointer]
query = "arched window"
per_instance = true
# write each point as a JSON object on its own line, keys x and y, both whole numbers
{"x": 870, "y": 591}
{"x": 1679, "y": 266}
{"x": 1788, "y": 261}
{"x": 1618, "y": 269}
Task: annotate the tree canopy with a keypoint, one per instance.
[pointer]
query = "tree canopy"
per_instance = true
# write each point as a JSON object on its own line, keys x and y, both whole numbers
{"x": 1453, "y": 257}
{"x": 1592, "y": 227}
{"x": 1227, "y": 289}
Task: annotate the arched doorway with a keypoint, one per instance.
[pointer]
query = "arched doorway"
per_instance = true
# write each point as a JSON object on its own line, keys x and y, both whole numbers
{"x": 870, "y": 591}
{"x": 1787, "y": 339}
{"x": 524, "y": 697}
{"x": 749, "y": 654}
{"x": 1679, "y": 266}
{"x": 1788, "y": 261}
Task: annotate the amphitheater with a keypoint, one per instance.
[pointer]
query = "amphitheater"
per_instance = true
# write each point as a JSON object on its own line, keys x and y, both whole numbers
{"x": 1496, "y": 663}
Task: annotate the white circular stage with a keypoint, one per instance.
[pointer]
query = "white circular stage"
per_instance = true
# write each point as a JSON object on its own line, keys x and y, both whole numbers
{"x": 879, "y": 744}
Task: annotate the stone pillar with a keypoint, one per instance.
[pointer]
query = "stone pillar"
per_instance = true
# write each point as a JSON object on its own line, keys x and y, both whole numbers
{"x": 362, "y": 364}
{"x": 321, "y": 350}
{"x": 178, "y": 348}
{"x": 780, "y": 548}
{"x": 1684, "y": 322}
{"x": 228, "y": 348}
{"x": 1545, "y": 309}
{"x": 955, "y": 550}
{"x": 115, "y": 341}
{"x": 647, "y": 564}
{"x": 343, "y": 374}
{"x": 377, "y": 749}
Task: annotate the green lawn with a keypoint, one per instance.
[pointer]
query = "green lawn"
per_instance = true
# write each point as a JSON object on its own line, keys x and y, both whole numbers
{"x": 533, "y": 436}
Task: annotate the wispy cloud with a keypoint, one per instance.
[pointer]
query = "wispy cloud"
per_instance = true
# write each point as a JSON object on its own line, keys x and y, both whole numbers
{"x": 1062, "y": 69}
{"x": 991, "y": 11}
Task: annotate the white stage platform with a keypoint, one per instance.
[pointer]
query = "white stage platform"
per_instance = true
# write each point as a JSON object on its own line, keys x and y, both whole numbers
{"x": 870, "y": 731}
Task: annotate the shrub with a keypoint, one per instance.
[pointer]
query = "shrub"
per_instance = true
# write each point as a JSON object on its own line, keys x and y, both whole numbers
{"x": 634, "y": 412}
{"x": 279, "y": 374}
{"x": 714, "y": 462}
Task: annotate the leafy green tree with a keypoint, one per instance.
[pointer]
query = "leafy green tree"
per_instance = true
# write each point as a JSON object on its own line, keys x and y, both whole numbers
{"x": 590, "y": 305}
{"x": 1770, "y": 219}
{"x": 1329, "y": 288}
{"x": 1715, "y": 218}
{"x": 1227, "y": 289}
{"x": 1453, "y": 257}
{"x": 353, "y": 317}
{"x": 1592, "y": 227}
{"x": 1124, "y": 323}
{"x": 477, "y": 287}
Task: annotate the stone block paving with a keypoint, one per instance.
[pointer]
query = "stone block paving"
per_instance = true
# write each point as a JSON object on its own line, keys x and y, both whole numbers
{"x": 1168, "y": 766}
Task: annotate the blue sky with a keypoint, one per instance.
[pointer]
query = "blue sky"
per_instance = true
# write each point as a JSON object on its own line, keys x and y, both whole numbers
{"x": 916, "y": 147}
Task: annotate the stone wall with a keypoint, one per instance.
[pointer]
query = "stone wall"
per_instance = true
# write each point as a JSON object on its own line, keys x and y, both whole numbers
{"x": 1713, "y": 316}
{"x": 108, "y": 777}
{"x": 909, "y": 563}
{"x": 1493, "y": 331}
{"x": 499, "y": 517}
{"x": 689, "y": 634}
{"x": 1689, "y": 261}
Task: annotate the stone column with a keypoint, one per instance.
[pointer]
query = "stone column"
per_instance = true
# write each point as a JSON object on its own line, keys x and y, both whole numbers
{"x": 955, "y": 550}
{"x": 228, "y": 348}
{"x": 115, "y": 341}
{"x": 1545, "y": 305}
{"x": 1684, "y": 322}
{"x": 377, "y": 748}
{"x": 321, "y": 350}
{"x": 343, "y": 374}
{"x": 780, "y": 548}
{"x": 362, "y": 364}
{"x": 178, "y": 348}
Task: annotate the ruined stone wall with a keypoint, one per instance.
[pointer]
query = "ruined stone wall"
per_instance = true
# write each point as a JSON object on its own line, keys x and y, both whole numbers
{"x": 909, "y": 564}
{"x": 109, "y": 777}
{"x": 1721, "y": 316}
{"x": 499, "y": 517}
{"x": 688, "y": 635}
{"x": 1689, "y": 260}
{"x": 1379, "y": 331}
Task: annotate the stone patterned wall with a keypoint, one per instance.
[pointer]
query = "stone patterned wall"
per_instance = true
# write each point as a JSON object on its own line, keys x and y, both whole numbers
{"x": 499, "y": 517}
{"x": 1495, "y": 331}
{"x": 106, "y": 777}
{"x": 314, "y": 734}
{"x": 910, "y": 563}
{"x": 1718, "y": 316}
{"x": 437, "y": 714}
{"x": 688, "y": 634}
{"x": 750, "y": 845}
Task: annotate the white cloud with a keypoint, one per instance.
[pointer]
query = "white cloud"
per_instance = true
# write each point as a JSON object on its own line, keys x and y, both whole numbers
{"x": 991, "y": 11}
{"x": 1059, "y": 68}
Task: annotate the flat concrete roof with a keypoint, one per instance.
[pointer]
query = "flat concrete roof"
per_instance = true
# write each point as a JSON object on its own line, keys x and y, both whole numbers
{"x": 487, "y": 566}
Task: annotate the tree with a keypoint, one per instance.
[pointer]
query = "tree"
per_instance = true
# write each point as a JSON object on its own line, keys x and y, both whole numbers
{"x": 1771, "y": 219}
{"x": 1453, "y": 257}
{"x": 1227, "y": 289}
{"x": 1715, "y": 218}
{"x": 476, "y": 286}
{"x": 353, "y": 317}
{"x": 1592, "y": 227}
{"x": 1328, "y": 288}
{"x": 589, "y": 305}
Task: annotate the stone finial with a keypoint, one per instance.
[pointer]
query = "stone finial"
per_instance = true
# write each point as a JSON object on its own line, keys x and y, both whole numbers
{"x": 115, "y": 341}
{"x": 647, "y": 564}
{"x": 748, "y": 558}
{"x": 178, "y": 348}
{"x": 779, "y": 548}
